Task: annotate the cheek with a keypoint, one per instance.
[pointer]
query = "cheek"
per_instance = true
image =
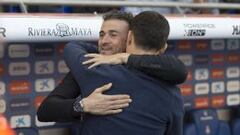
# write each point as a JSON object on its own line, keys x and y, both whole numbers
{"x": 121, "y": 47}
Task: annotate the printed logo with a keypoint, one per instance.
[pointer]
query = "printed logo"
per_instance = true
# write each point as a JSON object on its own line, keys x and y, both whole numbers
{"x": 201, "y": 88}
{"x": 2, "y": 106}
{"x": 61, "y": 30}
{"x": 186, "y": 89}
{"x": 184, "y": 45}
{"x": 217, "y": 59}
{"x": 233, "y": 99}
{"x": 201, "y": 102}
{"x": 201, "y": 59}
{"x": 233, "y": 72}
{"x": 62, "y": 67}
{"x": 236, "y": 30}
{"x": 43, "y": 124}
{"x": 217, "y": 73}
{"x": 1, "y": 70}
{"x": 218, "y": 101}
{"x": 201, "y": 74}
{"x": 204, "y": 116}
{"x": 20, "y": 104}
{"x": 218, "y": 87}
{"x": 18, "y": 51}
{"x": 186, "y": 59}
{"x": 44, "y": 50}
{"x": 20, "y": 87}
{"x": 217, "y": 44}
{"x": 195, "y": 32}
{"x": 20, "y": 121}
{"x": 1, "y": 51}
{"x": 38, "y": 101}
{"x": 2, "y": 32}
{"x": 233, "y": 86}
{"x": 19, "y": 68}
{"x": 44, "y": 67}
{"x": 202, "y": 45}
{"x": 199, "y": 26}
{"x": 233, "y": 58}
{"x": 44, "y": 85}
{"x": 2, "y": 88}
{"x": 233, "y": 44}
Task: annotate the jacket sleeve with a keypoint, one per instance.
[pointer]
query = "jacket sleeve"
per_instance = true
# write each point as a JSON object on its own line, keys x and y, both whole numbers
{"x": 58, "y": 105}
{"x": 164, "y": 67}
{"x": 88, "y": 79}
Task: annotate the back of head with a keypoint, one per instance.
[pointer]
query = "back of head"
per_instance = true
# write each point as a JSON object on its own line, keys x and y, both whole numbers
{"x": 150, "y": 30}
{"x": 118, "y": 15}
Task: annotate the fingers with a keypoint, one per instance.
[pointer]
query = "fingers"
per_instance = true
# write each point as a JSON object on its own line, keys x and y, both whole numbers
{"x": 94, "y": 65}
{"x": 89, "y": 61}
{"x": 117, "y": 97}
{"x": 113, "y": 111}
{"x": 120, "y": 106}
{"x": 103, "y": 88}
{"x": 95, "y": 60}
{"x": 92, "y": 55}
{"x": 102, "y": 104}
{"x": 122, "y": 101}
{"x": 117, "y": 107}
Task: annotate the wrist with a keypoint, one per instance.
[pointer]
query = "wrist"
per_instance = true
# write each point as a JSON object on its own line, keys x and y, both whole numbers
{"x": 83, "y": 104}
{"x": 78, "y": 105}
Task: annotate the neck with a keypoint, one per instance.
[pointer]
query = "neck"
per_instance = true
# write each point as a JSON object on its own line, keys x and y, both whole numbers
{"x": 139, "y": 51}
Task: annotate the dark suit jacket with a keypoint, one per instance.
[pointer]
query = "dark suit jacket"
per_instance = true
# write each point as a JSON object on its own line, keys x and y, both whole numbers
{"x": 58, "y": 106}
{"x": 157, "y": 107}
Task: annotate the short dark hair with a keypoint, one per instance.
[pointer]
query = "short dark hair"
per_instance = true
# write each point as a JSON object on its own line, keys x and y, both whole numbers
{"x": 150, "y": 30}
{"x": 119, "y": 15}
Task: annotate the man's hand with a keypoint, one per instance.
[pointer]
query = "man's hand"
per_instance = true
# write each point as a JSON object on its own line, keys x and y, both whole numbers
{"x": 99, "y": 104}
{"x": 97, "y": 59}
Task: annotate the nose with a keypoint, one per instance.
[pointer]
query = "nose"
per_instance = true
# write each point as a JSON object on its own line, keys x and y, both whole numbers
{"x": 106, "y": 39}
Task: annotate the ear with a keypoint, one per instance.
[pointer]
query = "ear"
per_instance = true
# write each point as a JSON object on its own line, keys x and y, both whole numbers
{"x": 162, "y": 50}
{"x": 129, "y": 38}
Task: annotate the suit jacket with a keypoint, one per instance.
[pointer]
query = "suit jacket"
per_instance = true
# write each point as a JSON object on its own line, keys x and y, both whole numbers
{"x": 157, "y": 107}
{"x": 58, "y": 105}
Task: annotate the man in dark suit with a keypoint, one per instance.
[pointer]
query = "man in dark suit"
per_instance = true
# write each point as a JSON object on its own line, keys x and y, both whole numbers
{"x": 157, "y": 106}
{"x": 63, "y": 103}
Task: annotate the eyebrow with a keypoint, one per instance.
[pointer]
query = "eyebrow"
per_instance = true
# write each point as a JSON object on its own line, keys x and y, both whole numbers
{"x": 110, "y": 31}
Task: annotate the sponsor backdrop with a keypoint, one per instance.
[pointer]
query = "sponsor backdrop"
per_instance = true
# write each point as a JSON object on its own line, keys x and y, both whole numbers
{"x": 214, "y": 72}
{"x": 35, "y": 28}
{"x": 29, "y": 71}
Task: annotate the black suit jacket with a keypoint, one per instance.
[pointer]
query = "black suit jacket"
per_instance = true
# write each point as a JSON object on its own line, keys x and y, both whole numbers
{"x": 58, "y": 105}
